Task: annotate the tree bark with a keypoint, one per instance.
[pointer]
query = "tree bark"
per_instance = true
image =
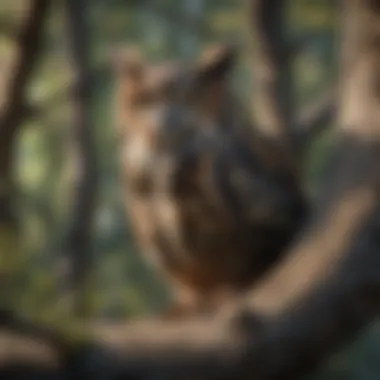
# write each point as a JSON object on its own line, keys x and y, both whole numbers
{"x": 84, "y": 184}
{"x": 28, "y": 47}
{"x": 272, "y": 100}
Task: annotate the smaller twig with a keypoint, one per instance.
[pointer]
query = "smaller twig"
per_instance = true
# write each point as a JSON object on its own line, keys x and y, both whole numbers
{"x": 314, "y": 119}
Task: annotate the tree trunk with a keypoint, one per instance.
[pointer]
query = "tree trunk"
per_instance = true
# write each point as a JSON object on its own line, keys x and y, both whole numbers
{"x": 84, "y": 183}
{"x": 28, "y": 46}
{"x": 273, "y": 100}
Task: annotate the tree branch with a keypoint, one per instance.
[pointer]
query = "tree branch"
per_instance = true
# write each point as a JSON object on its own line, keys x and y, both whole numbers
{"x": 270, "y": 63}
{"x": 28, "y": 46}
{"x": 79, "y": 235}
{"x": 273, "y": 100}
{"x": 314, "y": 119}
{"x": 29, "y": 43}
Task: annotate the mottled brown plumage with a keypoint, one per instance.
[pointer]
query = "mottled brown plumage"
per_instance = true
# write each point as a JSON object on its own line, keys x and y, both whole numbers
{"x": 210, "y": 201}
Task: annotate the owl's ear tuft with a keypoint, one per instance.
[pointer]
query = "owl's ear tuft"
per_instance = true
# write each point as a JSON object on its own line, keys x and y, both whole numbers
{"x": 216, "y": 63}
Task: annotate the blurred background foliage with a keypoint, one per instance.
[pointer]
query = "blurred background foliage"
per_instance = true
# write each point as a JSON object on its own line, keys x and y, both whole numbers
{"x": 123, "y": 285}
